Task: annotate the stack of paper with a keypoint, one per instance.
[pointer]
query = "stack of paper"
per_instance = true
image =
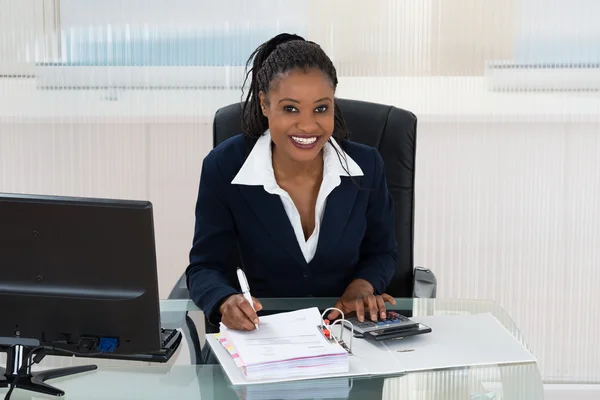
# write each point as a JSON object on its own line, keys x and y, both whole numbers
{"x": 286, "y": 345}
{"x": 323, "y": 389}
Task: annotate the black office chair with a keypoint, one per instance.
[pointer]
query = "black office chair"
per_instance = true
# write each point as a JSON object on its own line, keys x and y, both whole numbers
{"x": 393, "y": 132}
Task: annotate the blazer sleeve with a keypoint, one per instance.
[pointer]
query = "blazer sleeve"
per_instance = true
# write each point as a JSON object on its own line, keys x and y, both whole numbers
{"x": 213, "y": 256}
{"x": 378, "y": 251}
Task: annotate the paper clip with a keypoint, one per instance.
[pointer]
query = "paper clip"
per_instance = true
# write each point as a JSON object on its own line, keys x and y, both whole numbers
{"x": 326, "y": 329}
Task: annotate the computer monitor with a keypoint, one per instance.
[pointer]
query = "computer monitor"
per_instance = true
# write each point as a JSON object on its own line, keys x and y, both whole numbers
{"x": 79, "y": 276}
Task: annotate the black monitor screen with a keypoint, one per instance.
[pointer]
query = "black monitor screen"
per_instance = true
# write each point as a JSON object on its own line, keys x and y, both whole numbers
{"x": 75, "y": 269}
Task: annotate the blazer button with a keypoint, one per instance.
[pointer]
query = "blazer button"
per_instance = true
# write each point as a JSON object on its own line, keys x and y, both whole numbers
{"x": 305, "y": 275}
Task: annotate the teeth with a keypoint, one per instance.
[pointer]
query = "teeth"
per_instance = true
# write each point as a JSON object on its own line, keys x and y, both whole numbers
{"x": 302, "y": 140}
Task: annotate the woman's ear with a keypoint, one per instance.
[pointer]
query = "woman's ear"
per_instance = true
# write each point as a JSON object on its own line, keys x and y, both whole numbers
{"x": 263, "y": 103}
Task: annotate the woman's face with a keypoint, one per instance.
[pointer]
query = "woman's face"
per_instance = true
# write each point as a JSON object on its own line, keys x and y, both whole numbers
{"x": 299, "y": 107}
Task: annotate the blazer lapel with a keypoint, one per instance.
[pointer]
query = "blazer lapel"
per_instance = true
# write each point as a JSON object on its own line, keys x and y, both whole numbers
{"x": 271, "y": 214}
{"x": 340, "y": 203}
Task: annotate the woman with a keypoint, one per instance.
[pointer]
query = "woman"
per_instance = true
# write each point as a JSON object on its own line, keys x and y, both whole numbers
{"x": 301, "y": 209}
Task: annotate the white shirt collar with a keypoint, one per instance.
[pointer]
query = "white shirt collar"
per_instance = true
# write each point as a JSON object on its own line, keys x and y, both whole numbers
{"x": 257, "y": 170}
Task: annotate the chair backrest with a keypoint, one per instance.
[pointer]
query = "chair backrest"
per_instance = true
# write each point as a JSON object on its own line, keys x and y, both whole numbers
{"x": 393, "y": 132}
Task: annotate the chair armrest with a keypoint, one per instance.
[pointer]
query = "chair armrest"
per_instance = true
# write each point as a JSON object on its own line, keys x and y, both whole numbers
{"x": 424, "y": 283}
{"x": 180, "y": 290}
{"x": 188, "y": 329}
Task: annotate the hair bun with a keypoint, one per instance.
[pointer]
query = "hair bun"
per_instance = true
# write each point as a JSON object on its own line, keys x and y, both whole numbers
{"x": 275, "y": 41}
{"x": 285, "y": 37}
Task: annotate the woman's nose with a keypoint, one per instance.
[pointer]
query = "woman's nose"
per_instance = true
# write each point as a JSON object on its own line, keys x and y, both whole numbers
{"x": 307, "y": 123}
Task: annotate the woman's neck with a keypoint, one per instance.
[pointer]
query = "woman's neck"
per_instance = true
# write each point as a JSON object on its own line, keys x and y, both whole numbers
{"x": 287, "y": 168}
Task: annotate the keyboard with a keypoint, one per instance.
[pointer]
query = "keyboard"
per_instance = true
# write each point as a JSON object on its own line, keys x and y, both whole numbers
{"x": 170, "y": 340}
{"x": 167, "y": 336}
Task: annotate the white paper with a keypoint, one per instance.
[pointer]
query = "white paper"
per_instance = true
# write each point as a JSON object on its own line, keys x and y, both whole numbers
{"x": 237, "y": 378}
{"x": 287, "y": 345}
{"x": 336, "y": 388}
{"x": 285, "y": 336}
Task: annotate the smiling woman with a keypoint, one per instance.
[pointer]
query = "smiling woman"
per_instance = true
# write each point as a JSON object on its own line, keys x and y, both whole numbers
{"x": 299, "y": 126}
{"x": 304, "y": 211}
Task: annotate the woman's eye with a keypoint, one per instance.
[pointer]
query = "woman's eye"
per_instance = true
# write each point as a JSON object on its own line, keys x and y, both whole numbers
{"x": 320, "y": 109}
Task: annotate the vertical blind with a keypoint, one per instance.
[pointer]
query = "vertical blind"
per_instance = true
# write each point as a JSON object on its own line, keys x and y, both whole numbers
{"x": 116, "y": 99}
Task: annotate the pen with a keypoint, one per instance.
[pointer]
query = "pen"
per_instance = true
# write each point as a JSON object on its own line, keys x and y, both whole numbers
{"x": 245, "y": 289}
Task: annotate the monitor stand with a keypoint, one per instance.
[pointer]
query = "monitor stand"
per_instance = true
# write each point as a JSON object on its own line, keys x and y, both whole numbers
{"x": 34, "y": 381}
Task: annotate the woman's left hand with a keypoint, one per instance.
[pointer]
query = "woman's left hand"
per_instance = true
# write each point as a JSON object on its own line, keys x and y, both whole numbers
{"x": 359, "y": 297}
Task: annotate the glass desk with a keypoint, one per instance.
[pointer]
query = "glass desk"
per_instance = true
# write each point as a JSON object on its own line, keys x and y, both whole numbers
{"x": 181, "y": 378}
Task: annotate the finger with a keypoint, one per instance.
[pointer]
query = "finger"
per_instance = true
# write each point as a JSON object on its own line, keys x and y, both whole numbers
{"x": 381, "y": 306}
{"x": 248, "y": 312}
{"x": 360, "y": 310}
{"x": 257, "y": 305}
{"x": 386, "y": 297}
{"x": 371, "y": 304}
{"x": 335, "y": 313}
{"x": 243, "y": 321}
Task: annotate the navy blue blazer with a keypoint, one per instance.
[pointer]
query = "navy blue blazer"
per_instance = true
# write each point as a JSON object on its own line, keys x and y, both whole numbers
{"x": 238, "y": 225}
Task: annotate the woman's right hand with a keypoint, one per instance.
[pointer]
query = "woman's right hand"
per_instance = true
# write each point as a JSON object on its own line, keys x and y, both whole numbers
{"x": 237, "y": 313}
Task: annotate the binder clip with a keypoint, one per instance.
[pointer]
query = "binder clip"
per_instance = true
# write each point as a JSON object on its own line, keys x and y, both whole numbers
{"x": 326, "y": 330}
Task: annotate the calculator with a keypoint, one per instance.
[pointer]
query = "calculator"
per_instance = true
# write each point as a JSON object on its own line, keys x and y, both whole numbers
{"x": 394, "y": 326}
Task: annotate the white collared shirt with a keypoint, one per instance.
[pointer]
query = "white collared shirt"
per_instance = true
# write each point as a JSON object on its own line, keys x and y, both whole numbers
{"x": 258, "y": 171}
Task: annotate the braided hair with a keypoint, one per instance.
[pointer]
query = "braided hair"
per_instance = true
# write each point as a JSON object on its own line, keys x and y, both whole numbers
{"x": 271, "y": 60}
